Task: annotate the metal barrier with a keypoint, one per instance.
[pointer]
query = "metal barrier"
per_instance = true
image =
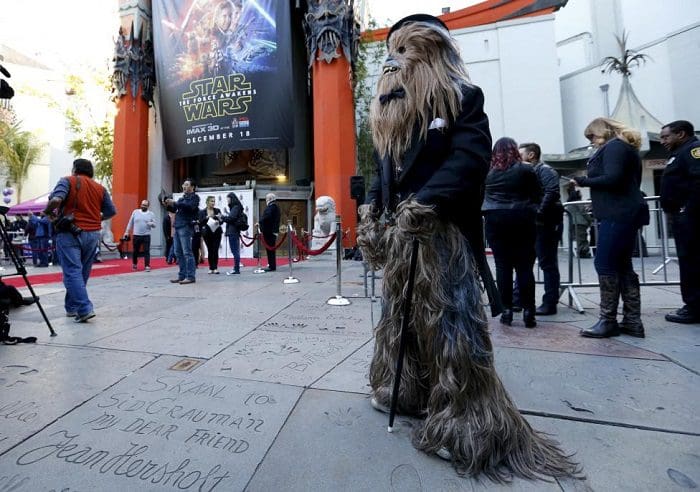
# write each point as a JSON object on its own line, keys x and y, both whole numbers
{"x": 657, "y": 229}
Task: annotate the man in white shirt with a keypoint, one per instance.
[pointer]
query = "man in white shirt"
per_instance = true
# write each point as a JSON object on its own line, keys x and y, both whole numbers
{"x": 142, "y": 221}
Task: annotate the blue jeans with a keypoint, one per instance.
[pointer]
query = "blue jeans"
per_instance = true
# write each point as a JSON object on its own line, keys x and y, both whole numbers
{"x": 76, "y": 255}
{"x": 235, "y": 242}
{"x": 614, "y": 247}
{"x": 42, "y": 245}
{"x": 183, "y": 250}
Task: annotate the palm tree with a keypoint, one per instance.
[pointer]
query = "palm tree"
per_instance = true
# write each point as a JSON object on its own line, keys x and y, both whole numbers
{"x": 627, "y": 60}
{"x": 19, "y": 150}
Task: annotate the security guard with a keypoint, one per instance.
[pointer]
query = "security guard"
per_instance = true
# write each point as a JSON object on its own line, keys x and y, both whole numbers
{"x": 680, "y": 197}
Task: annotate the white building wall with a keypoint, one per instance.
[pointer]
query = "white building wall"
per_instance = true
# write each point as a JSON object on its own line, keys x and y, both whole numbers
{"x": 667, "y": 85}
{"x": 34, "y": 88}
{"x": 515, "y": 63}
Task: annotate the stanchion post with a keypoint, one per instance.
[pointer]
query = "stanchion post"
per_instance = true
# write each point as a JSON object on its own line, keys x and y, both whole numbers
{"x": 338, "y": 300}
{"x": 290, "y": 279}
{"x": 259, "y": 269}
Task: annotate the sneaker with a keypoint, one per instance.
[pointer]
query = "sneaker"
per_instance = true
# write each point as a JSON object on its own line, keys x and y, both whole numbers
{"x": 175, "y": 280}
{"x": 210, "y": 272}
{"x": 233, "y": 272}
{"x": 148, "y": 269}
{"x": 71, "y": 315}
{"x": 187, "y": 281}
{"x": 683, "y": 315}
{"x": 215, "y": 272}
{"x": 85, "y": 317}
{"x": 378, "y": 406}
{"x": 444, "y": 454}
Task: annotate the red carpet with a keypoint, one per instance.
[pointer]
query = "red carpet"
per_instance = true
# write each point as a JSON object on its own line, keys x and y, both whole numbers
{"x": 118, "y": 267}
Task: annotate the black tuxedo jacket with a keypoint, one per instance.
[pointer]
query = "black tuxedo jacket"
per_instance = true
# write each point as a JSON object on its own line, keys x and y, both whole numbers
{"x": 447, "y": 169}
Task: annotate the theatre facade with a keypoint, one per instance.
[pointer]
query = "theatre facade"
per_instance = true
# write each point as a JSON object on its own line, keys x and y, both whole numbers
{"x": 223, "y": 91}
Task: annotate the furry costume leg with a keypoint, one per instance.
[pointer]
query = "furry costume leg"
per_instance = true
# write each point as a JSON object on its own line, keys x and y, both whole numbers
{"x": 449, "y": 370}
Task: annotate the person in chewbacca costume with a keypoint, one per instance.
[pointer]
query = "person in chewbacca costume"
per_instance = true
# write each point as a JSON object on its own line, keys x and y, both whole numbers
{"x": 432, "y": 153}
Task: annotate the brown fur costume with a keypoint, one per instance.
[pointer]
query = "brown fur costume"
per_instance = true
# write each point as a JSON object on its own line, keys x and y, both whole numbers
{"x": 448, "y": 373}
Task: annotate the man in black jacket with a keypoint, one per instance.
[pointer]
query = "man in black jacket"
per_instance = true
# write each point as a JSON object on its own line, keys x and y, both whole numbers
{"x": 550, "y": 214}
{"x": 679, "y": 198}
{"x": 269, "y": 226}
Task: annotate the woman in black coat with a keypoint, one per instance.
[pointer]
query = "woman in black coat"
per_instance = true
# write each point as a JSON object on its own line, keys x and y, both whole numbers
{"x": 510, "y": 208}
{"x": 233, "y": 233}
{"x": 614, "y": 176}
{"x": 210, "y": 226}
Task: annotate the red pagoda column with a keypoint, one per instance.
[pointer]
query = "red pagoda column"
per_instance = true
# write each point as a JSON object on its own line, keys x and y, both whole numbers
{"x": 334, "y": 118}
{"x": 130, "y": 161}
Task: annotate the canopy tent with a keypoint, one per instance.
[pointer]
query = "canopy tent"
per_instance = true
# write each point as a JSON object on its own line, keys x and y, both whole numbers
{"x": 34, "y": 205}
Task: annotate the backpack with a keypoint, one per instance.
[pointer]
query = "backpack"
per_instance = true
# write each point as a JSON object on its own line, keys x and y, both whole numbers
{"x": 242, "y": 222}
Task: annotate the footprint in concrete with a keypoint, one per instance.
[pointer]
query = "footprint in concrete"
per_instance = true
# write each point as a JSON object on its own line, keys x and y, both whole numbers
{"x": 405, "y": 478}
{"x": 681, "y": 479}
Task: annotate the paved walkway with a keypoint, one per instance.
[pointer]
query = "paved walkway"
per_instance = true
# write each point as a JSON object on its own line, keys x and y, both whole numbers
{"x": 245, "y": 383}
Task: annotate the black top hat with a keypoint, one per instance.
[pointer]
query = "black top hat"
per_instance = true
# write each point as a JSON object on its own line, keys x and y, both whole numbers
{"x": 416, "y": 18}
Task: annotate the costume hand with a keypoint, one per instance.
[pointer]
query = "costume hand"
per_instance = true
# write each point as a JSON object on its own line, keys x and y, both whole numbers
{"x": 414, "y": 219}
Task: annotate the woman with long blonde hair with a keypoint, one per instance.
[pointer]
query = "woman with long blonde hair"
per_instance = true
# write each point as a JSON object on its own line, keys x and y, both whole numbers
{"x": 614, "y": 176}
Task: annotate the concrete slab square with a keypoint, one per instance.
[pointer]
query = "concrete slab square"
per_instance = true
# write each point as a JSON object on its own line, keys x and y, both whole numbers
{"x": 71, "y": 333}
{"x": 280, "y": 357}
{"x": 561, "y": 337}
{"x": 352, "y": 375}
{"x": 177, "y": 337}
{"x": 155, "y": 429}
{"x": 646, "y": 393}
{"x": 678, "y": 342}
{"x": 617, "y": 458}
{"x": 346, "y": 447}
{"x": 305, "y": 317}
{"x": 38, "y": 384}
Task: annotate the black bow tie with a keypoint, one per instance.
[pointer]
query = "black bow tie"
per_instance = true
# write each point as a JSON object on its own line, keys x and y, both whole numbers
{"x": 395, "y": 94}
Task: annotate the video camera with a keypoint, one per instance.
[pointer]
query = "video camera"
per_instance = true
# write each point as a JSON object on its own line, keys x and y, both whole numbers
{"x": 6, "y": 92}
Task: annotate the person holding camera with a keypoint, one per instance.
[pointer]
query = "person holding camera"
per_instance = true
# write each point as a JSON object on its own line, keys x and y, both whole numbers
{"x": 141, "y": 222}
{"x": 186, "y": 210}
{"x": 77, "y": 206}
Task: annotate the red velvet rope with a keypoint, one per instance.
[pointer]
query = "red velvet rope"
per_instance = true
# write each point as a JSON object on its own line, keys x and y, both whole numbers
{"x": 276, "y": 246}
{"x": 300, "y": 246}
{"x": 252, "y": 240}
{"x": 26, "y": 247}
{"x": 115, "y": 248}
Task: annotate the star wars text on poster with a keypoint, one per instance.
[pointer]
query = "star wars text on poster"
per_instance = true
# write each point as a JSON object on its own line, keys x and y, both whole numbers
{"x": 217, "y": 96}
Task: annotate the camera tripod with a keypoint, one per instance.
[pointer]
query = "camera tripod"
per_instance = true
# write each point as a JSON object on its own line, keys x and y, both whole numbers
{"x": 20, "y": 270}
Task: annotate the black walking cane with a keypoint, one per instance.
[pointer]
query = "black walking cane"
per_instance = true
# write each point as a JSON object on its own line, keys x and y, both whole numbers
{"x": 404, "y": 333}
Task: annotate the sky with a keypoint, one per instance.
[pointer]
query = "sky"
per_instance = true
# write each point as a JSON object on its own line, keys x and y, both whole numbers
{"x": 61, "y": 32}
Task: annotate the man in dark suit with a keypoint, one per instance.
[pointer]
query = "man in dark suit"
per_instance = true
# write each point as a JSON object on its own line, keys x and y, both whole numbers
{"x": 269, "y": 226}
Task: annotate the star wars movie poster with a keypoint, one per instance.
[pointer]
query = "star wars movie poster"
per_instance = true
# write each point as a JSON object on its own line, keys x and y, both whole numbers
{"x": 224, "y": 74}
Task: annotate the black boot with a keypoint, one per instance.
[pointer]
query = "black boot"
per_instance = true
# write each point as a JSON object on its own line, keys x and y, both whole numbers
{"x": 507, "y": 316}
{"x": 631, "y": 306}
{"x": 529, "y": 318}
{"x": 609, "y": 296}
